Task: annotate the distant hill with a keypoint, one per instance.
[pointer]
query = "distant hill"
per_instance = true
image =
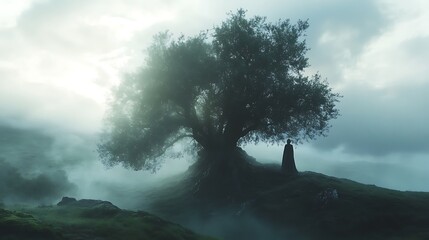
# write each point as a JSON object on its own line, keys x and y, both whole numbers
{"x": 306, "y": 206}
{"x": 87, "y": 219}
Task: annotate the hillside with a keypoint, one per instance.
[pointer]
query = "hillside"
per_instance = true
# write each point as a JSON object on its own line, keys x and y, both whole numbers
{"x": 329, "y": 207}
{"x": 17, "y": 225}
{"x": 306, "y": 206}
{"x": 92, "y": 220}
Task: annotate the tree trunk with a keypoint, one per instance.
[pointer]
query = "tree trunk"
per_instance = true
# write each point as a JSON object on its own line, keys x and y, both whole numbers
{"x": 221, "y": 173}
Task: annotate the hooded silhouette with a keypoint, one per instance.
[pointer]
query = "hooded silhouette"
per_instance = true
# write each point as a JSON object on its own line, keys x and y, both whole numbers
{"x": 288, "y": 161}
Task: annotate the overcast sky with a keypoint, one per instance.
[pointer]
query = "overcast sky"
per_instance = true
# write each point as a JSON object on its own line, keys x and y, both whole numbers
{"x": 60, "y": 58}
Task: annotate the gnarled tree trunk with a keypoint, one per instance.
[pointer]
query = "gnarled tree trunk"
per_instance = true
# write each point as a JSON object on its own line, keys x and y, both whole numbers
{"x": 221, "y": 173}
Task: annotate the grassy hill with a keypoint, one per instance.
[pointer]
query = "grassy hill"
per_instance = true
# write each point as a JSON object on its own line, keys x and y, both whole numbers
{"x": 355, "y": 211}
{"x": 17, "y": 225}
{"x": 305, "y": 206}
{"x": 272, "y": 206}
{"x": 80, "y": 223}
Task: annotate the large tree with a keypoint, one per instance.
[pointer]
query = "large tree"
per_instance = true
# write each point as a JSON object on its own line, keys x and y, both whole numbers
{"x": 242, "y": 82}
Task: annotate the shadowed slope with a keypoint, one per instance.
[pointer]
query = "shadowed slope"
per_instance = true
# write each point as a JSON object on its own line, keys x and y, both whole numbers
{"x": 89, "y": 219}
{"x": 308, "y": 205}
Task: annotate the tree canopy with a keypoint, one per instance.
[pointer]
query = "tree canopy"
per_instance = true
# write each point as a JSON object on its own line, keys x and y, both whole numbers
{"x": 241, "y": 82}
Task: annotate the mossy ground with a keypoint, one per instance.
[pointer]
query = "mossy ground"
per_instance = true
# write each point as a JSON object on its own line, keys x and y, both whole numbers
{"x": 81, "y": 223}
{"x": 360, "y": 211}
{"x": 290, "y": 206}
{"x": 294, "y": 203}
{"x": 18, "y": 225}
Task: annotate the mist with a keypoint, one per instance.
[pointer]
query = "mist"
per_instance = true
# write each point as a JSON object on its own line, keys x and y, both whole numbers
{"x": 232, "y": 225}
{"x": 61, "y": 59}
{"x": 40, "y": 188}
{"x": 39, "y": 168}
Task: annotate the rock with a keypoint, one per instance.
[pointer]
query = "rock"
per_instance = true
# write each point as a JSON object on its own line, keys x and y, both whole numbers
{"x": 105, "y": 205}
{"x": 87, "y": 203}
{"x": 326, "y": 197}
{"x": 90, "y": 203}
{"x": 66, "y": 201}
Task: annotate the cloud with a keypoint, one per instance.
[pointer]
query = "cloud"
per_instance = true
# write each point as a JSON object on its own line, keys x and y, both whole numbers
{"x": 40, "y": 188}
{"x": 34, "y": 150}
{"x": 380, "y": 122}
{"x": 43, "y": 106}
{"x": 40, "y": 166}
{"x": 60, "y": 58}
{"x": 384, "y": 89}
{"x": 11, "y": 10}
{"x": 34, "y": 164}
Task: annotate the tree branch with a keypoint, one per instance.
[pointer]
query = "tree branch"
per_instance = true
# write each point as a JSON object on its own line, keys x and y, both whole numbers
{"x": 247, "y": 130}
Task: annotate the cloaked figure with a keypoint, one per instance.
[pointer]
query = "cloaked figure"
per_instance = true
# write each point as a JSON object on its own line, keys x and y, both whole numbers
{"x": 288, "y": 161}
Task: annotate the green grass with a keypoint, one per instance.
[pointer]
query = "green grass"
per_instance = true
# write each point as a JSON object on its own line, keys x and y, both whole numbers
{"x": 360, "y": 212}
{"x": 291, "y": 202}
{"x": 84, "y": 223}
{"x": 281, "y": 202}
{"x": 18, "y": 225}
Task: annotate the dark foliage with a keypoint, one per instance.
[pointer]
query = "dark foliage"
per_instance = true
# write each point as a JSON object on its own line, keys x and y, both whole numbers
{"x": 242, "y": 82}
